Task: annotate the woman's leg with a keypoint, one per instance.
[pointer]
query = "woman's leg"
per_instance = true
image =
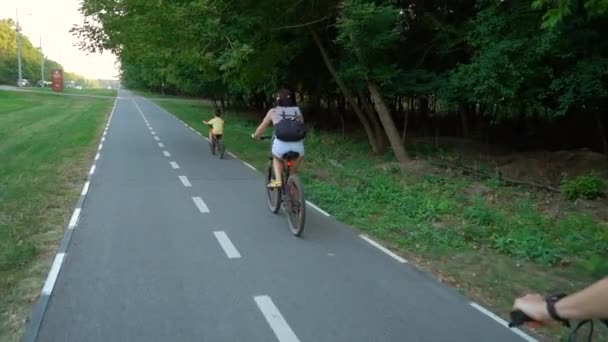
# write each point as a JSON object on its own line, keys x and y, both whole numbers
{"x": 278, "y": 169}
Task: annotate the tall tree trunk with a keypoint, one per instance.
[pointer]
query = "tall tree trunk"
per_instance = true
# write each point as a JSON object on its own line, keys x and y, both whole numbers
{"x": 346, "y": 92}
{"x": 373, "y": 118}
{"x": 405, "y": 120}
{"x": 602, "y": 131}
{"x": 388, "y": 123}
{"x": 464, "y": 121}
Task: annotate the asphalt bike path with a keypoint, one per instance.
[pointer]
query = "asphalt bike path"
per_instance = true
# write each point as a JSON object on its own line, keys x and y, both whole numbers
{"x": 174, "y": 244}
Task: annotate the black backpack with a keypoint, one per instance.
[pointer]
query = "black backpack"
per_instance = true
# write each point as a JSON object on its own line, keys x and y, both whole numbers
{"x": 290, "y": 127}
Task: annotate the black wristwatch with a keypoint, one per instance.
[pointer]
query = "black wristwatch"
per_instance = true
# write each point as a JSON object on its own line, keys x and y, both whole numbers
{"x": 551, "y": 300}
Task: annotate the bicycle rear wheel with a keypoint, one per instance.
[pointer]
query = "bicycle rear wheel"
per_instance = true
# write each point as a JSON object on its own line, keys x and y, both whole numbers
{"x": 220, "y": 148}
{"x": 274, "y": 195}
{"x": 296, "y": 205}
{"x": 212, "y": 146}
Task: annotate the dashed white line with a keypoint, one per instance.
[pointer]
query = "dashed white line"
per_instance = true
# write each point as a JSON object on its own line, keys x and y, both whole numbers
{"x": 49, "y": 284}
{"x": 153, "y": 133}
{"x": 103, "y": 139}
{"x": 97, "y": 156}
{"x": 160, "y": 144}
{"x": 174, "y": 165}
{"x": 166, "y": 154}
{"x": 200, "y": 204}
{"x": 276, "y": 321}
{"x": 92, "y": 169}
{"x": 156, "y": 138}
{"x": 85, "y": 188}
{"x": 74, "y": 219}
{"x": 382, "y": 248}
{"x": 100, "y": 146}
{"x": 318, "y": 209}
{"x": 227, "y": 246}
{"x": 250, "y": 166}
{"x": 502, "y": 322}
{"x": 185, "y": 181}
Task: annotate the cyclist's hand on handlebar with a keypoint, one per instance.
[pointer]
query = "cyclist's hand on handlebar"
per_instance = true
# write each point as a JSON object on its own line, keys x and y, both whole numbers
{"x": 535, "y": 306}
{"x": 254, "y": 137}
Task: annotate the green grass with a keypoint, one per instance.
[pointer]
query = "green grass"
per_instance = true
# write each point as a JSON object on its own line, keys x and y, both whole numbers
{"x": 86, "y": 91}
{"x": 46, "y": 145}
{"x": 494, "y": 248}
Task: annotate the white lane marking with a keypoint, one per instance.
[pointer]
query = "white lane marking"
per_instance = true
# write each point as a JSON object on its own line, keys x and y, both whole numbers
{"x": 49, "y": 284}
{"x": 92, "y": 169}
{"x": 100, "y": 146}
{"x": 153, "y": 133}
{"x": 103, "y": 139}
{"x": 156, "y": 138}
{"x": 276, "y": 321}
{"x": 166, "y": 154}
{"x": 318, "y": 209}
{"x": 202, "y": 207}
{"x": 161, "y": 145}
{"x": 174, "y": 165}
{"x": 250, "y": 166}
{"x": 185, "y": 181}
{"x": 74, "y": 219}
{"x": 97, "y": 156}
{"x": 85, "y": 188}
{"x": 232, "y": 155}
{"x": 502, "y": 322}
{"x": 138, "y": 109}
{"x": 227, "y": 245}
{"x": 382, "y": 248}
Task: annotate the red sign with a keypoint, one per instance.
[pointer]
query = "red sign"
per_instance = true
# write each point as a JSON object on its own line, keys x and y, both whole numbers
{"x": 57, "y": 80}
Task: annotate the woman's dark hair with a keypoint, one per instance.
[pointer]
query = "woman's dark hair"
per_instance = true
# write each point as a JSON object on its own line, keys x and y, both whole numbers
{"x": 218, "y": 112}
{"x": 285, "y": 98}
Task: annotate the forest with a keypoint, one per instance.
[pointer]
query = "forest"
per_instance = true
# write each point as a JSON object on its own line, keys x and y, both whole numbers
{"x": 506, "y": 72}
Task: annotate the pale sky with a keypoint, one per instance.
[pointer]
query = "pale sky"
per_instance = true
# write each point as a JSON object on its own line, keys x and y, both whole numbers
{"x": 52, "y": 20}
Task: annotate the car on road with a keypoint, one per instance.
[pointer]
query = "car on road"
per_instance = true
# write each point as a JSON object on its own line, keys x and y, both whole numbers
{"x": 23, "y": 83}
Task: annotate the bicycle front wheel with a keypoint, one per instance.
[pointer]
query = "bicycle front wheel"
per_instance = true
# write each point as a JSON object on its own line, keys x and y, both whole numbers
{"x": 274, "y": 195}
{"x": 296, "y": 205}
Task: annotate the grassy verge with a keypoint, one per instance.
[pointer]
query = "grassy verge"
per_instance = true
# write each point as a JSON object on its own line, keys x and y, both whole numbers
{"x": 46, "y": 146}
{"x": 493, "y": 244}
{"x": 87, "y": 91}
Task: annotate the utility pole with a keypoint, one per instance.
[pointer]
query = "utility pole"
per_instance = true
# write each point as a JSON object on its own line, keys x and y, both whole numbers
{"x": 41, "y": 65}
{"x": 18, "y": 49}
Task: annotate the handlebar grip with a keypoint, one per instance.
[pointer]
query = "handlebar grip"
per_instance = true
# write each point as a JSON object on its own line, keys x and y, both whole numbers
{"x": 518, "y": 318}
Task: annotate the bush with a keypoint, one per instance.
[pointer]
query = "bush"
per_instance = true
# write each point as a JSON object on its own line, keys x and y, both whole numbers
{"x": 589, "y": 187}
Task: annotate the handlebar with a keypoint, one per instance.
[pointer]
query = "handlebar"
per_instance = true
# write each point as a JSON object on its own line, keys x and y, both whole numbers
{"x": 518, "y": 317}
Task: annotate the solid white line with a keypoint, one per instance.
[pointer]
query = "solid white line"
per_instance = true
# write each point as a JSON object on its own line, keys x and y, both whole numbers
{"x": 49, "y": 284}
{"x": 250, "y": 166}
{"x": 276, "y": 321}
{"x": 318, "y": 209}
{"x": 382, "y": 248}
{"x": 227, "y": 245}
{"x": 185, "y": 181}
{"x": 74, "y": 219}
{"x": 202, "y": 207}
{"x": 156, "y": 138}
{"x": 85, "y": 188}
{"x": 97, "y": 156}
{"x": 174, "y": 165}
{"x": 161, "y": 145}
{"x": 503, "y": 322}
{"x": 166, "y": 154}
{"x": 92, "y": 169}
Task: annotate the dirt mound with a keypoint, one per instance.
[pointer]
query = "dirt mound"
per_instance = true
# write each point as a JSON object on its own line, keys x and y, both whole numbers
{"x": 551, "y": 167}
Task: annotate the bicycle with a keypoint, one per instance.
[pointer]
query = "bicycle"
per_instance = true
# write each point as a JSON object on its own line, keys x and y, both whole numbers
{"x": 519, "y": 318}
{"x": 217, "y": 145}
{"x": 290, "y": 196}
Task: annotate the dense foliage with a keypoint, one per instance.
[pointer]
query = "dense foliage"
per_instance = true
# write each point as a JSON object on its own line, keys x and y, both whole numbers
{"x": 380, "y": 63}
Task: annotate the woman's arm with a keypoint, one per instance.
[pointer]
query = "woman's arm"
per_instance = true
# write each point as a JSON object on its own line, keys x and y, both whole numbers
{"x": 264, "y": 125}
{"x": 589, "y": 303}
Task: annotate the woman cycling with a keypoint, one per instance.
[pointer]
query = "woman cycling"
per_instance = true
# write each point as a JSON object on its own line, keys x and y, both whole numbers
{"x": 293, "y": 141}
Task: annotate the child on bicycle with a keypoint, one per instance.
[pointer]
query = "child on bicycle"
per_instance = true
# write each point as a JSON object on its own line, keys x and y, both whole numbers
{"x": 217, "y": 126}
